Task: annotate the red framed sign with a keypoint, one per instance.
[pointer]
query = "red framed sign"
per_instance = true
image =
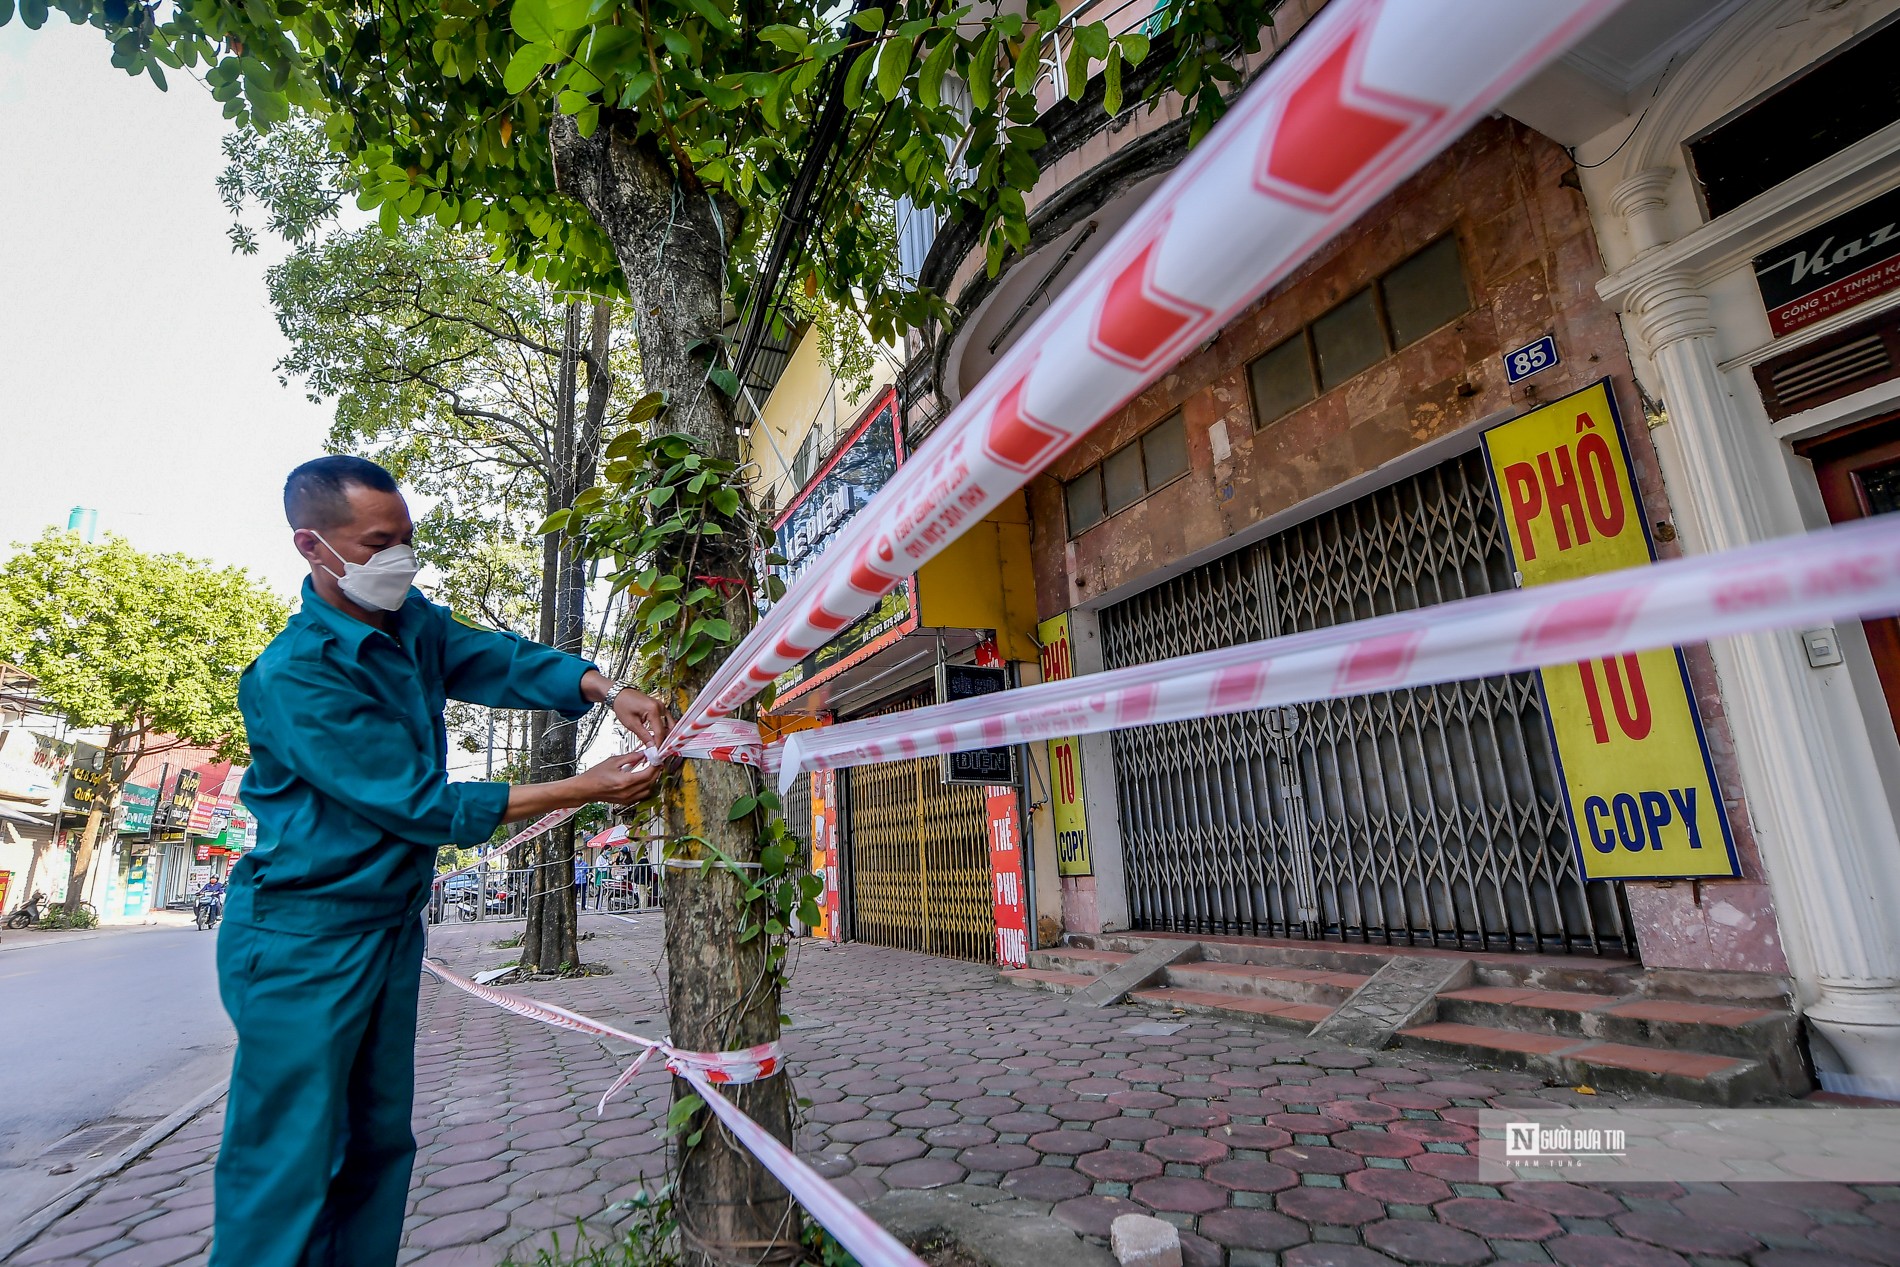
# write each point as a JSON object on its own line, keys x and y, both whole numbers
{"x": 863, "y": 464}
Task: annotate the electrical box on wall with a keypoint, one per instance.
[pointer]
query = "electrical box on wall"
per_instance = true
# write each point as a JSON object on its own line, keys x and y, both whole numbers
{"x": 1823, "y": 647}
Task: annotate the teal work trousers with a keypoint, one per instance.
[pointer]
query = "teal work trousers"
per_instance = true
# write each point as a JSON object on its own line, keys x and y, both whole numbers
{"x": 314, "y": 1167}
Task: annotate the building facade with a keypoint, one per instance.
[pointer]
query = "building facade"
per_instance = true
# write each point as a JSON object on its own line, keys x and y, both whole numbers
{"x": 1744, "y": 197}
{"x": 1689, "y": 218}
{"x": 910, "y": 850}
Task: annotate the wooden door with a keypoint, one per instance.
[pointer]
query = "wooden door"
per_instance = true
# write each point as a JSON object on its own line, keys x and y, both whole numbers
{"x": 1859, "y": 474}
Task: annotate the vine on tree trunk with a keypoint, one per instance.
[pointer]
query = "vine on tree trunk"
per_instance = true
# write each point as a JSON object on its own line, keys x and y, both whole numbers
{"x": 649, "y": 521}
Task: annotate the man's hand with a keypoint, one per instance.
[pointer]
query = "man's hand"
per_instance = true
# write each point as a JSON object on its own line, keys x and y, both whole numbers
{"x": 644, "y": 717}
{"x": 621, "y": 780}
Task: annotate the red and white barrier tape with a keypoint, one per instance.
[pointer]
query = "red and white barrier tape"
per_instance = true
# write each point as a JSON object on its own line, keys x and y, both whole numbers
{"x": 1366, "y": 94}
{"x": 726, "y": 740}
{"x": 1843, "y": 573}
{"x": 705, "y": 1072}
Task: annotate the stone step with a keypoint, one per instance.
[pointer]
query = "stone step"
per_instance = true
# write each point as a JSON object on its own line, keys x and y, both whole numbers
{"x": 1045, "y": 979}
{"x": 1078, "y": 959}
{"x": 1717, "y": 1028}
{"x": 1271, "y": 981}
{"x": 1601, "y": 975}
{"x": 1271, "y": 953}
{"x": 1691, "y": 1075}
{"x": 1240, "y": 1007}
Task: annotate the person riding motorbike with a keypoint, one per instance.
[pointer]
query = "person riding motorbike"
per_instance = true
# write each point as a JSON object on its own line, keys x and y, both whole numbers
{"x": 210, "y": 904}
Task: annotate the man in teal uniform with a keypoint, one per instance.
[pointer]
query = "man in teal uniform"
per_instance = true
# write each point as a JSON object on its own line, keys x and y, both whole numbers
{"x": 321, "y": 952}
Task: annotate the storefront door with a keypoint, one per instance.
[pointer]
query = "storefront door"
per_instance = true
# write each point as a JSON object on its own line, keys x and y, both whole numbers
{"x": 1859, "y": 474}
{"x": 1429, "y": 817}
{"x": 917, "y": 861}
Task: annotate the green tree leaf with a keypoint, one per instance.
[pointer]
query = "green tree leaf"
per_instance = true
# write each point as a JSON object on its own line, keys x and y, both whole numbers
{"x": 983, "y": 70}
{"x": 707, "y": 10}
{"x": 930, "y": 78}
{"x": 854, "y": 82}
{"x": 527, "y": 63}
{"x": 893, "y": 64}
{"x": 533, "y": 21}
{"x": 1028, "y": 65}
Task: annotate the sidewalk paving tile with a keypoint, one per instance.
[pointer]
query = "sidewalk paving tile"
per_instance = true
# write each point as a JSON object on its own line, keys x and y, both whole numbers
{"x": 933, "y": 1074}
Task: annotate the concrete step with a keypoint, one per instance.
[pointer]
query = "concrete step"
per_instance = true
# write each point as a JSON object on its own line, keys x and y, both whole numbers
{"x": 1265, "y": 952}
{"x": 1600, "y": 975}
{"x": 1078, "y": 960}
{"x": 1690, "y": 1075}
{"x": 1719, "y": 1029}
{"x": 1267, "y": 981}
{"x": 1239, "y": 1007}
{"x": 1045, "y": 979}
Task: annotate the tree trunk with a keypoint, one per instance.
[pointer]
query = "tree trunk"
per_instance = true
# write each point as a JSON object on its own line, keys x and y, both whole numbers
{"x": 672, "y": 242}
{"x": 550, "y": 940}
{"x": 104, "y": 798}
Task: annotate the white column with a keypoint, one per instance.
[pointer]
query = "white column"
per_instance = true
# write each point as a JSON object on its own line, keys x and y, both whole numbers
{"x": 1826, "y": 832}
{"x": 1643, "y": 203}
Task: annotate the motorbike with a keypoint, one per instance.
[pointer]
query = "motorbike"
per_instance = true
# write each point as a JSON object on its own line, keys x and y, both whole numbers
{"x": 206, "y": 910}
{"x": 28, "y": 913}
{"x": 469, "y": 904}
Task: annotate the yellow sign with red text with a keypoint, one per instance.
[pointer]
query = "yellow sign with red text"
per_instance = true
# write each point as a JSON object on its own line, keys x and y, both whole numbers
{"x": 1065, "y": 759}
{"x": 1638, "y": 783}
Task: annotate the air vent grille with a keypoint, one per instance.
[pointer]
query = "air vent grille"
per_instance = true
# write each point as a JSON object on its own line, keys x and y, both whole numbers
{"x": 1823, "y": 372}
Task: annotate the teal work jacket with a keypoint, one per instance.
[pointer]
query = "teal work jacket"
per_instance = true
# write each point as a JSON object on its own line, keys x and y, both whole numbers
{"x": 349, "y": 760}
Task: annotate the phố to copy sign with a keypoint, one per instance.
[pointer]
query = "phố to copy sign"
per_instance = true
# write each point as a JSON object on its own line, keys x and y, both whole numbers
{"x": 1638, "y": 783}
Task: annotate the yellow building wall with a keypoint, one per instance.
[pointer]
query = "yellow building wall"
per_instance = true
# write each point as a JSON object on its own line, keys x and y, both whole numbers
{"x": 983, "y": 581}
{"x": 807, "y": 396}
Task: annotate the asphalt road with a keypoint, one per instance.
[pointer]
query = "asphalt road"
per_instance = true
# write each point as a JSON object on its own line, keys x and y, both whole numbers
{"x": 112, "y": 1031}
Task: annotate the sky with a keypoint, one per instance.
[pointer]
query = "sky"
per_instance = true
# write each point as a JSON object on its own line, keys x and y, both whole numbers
{"x": 136, "y": 351}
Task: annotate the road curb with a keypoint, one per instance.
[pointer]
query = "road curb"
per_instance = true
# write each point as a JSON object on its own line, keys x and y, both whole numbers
{"x": 89, "y": 1184}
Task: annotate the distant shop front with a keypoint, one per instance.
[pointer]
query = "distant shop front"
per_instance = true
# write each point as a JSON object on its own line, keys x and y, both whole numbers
{"x": 912, "y": 855}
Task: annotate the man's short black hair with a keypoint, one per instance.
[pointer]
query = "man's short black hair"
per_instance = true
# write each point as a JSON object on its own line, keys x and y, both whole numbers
{"x": 317, "y": 493}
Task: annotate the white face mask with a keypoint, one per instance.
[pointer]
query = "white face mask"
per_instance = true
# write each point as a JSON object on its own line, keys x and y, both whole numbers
{"x": 382, "y": 583}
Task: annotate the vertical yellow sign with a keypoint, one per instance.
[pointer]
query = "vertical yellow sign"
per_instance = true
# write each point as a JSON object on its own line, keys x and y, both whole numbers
{"x": 1638, "y": 783}
{"x": 1065, "y": 759}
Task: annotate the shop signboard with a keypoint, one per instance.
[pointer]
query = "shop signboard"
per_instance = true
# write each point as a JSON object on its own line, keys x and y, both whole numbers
{"x": 864, "y": 463}
{"x": 200, "y": 876}
{"x": 1065, "y": 758}
{"x": 212, "y": 784}
{"x": 1833, "y": 266}
{"x": 86, "y": 778}
{"x": 136, "y": 805}
{"x": 135, "y": 879}
{"x": 1009, "y": 873}
{"x": 184, "y": 795}
{"x": 32, "y": 766}
{"x": 823, "y": 824}
{"x": 1639, "y": 787}
{"x": 984, "y": 766}
{"x": 824, "y": 849}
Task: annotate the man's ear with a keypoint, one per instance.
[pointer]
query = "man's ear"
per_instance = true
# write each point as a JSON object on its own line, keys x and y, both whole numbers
{"x": 307, "y": 545}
